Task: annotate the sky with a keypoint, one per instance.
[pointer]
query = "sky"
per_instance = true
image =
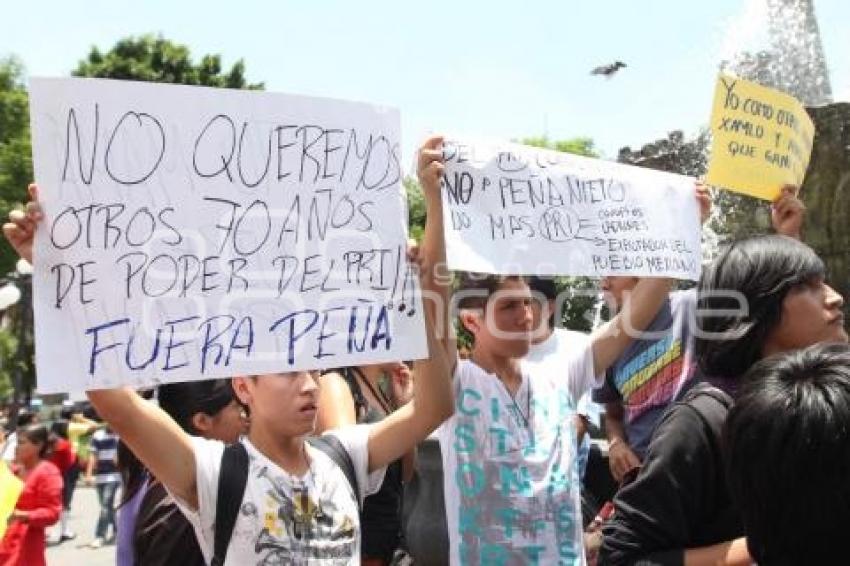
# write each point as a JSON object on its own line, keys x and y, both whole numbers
{"x": 499, "y": 69}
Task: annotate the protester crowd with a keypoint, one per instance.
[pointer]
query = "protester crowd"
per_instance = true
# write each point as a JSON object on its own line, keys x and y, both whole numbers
{"x": 726, "y": 427}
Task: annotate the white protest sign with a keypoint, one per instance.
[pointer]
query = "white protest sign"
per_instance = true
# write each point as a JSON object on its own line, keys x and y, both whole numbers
{"x": 514, "y": 209}
{"x": 193, "y": 233}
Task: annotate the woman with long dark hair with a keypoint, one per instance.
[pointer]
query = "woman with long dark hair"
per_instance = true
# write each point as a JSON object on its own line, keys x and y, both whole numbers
{"x": 154, "y": 530}
{"x": 39, "y": 504}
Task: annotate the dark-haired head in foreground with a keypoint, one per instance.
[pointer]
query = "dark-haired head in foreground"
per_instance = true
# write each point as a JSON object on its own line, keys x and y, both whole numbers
{"x": 207, "y": 408}
{"x": 761, "y": 296}
{"x": 787, "y": 442}
{"x": 496, "y": 311}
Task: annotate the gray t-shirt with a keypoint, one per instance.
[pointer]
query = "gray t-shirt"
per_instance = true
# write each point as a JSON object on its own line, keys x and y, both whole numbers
{"x": 654, "y": 370}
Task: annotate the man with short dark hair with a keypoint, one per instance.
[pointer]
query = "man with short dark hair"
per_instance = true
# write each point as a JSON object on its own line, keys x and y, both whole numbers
{"x": 787, "y": 444}
{"x": 509, "y": 452}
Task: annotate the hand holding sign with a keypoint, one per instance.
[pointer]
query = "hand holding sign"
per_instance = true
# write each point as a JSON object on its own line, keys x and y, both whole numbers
{"x": 193, "y": 233}
{"x": 762, "y": 139}
{"x": 786, "y": 213}
{"x": 512, "y": 209}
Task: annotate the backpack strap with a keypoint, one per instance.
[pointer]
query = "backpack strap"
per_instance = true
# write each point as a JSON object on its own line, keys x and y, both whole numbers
{"x": 333, "y": 448}
{"x": 231, "y": 488}
{"x": 361, "y": 404}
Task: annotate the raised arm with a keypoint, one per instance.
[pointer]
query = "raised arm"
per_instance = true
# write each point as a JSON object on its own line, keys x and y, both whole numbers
{"x": 432, "y": 403}
{"x": 336, "y": 405}
{"x": 787, "y": 212}
{"x": 154, "y": 438}
{"x": 640, "y": 307}
{"x": 161, "y": 445}
{"x": 436, "y": 282}
{"x": 638, "y": 310}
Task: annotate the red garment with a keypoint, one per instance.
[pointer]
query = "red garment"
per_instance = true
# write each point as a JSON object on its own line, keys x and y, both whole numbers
{"x": 63, "y": 455}
{"x": 23, "y": 543}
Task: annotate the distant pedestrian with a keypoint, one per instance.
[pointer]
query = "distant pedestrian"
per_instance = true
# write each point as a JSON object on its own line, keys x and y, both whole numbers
{"x": 39, "y": 504}
{"x": 103, "y": 468}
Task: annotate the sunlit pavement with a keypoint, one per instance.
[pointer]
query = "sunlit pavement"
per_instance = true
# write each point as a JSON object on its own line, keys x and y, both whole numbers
{"x": 83, "y": 518}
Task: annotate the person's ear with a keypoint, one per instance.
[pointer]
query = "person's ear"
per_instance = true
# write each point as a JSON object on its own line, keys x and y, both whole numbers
{"x": 202, "y": 423}
{"x": 471, "y": 321}
{"x": 242, "y": 388}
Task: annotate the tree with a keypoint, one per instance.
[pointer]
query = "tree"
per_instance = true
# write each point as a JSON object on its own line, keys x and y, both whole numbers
{"x": 155, "y": 59}
{"x": 15, "y": 154}
{"x": 415, "y": 208}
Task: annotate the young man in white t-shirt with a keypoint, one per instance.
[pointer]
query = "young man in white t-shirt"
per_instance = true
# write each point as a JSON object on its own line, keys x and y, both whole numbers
{"x": 298, "y": 506}
{"x": 509, "y": 453}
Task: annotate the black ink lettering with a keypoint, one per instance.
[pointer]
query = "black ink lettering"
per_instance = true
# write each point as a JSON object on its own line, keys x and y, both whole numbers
{"x": 178, "y": 236}
{"x": 280, "y": 147}
{"x": 73, "y": 117}
{"x": 234, "y": 273}
{"x": 329, "y": 149}
{"x": 171, "y": 280}
{"x": 131, "y": 273}
{"x": 239, "y": 159}
{"x": 267, "y": 230}
{"x": 224, "y": 160}
{"x": 140, "y": 177}
{"x": 56, "y": 222}
{"x": 108, "y": 225}
{"x": 208, "y": 273}
{"x": 146, "y": 235}
{"x": 84, "y": 282}
{"x": 283, "y": 281}
{"x": 228, "y": 228}
{"x": 62, "y": 290}
{"x": 185, "y": 260}
{"x": 305, "y": 147}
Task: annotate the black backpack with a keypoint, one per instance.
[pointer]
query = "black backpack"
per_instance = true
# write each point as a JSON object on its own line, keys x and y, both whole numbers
{"x": 234, "y": 477}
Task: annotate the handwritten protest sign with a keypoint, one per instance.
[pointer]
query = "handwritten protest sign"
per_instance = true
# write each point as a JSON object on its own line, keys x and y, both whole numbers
{"x": 193, "y": 233}
{"x": 762, "y": 139}
{"x": 513, "y": 209}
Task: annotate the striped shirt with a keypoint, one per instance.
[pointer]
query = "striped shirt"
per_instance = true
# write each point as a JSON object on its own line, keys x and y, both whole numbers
{"x": 104, "y": 448}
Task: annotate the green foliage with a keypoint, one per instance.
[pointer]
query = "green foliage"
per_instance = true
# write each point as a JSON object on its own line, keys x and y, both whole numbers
{"x": 155, "y": 59}
{"x": 578, "y": 146}
{"x": 581, "y": 302}
{"x": 15, "y": 154}
{"x": 8, "y": 349}
{"x": 415, "y": 208}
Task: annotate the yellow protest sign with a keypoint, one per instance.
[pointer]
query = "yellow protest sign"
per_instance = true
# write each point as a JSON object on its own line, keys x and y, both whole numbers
{"x": 10, "y": 488}
{"x": 762, "y": 139}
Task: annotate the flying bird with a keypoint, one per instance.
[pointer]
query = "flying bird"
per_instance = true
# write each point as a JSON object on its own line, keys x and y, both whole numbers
{"x": 608, "y": 70}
